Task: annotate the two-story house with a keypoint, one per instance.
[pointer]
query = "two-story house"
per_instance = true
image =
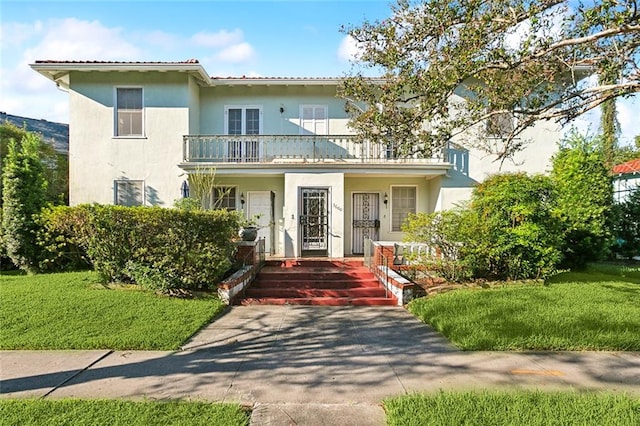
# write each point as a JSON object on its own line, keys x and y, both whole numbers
{"x": 280, "y": 147}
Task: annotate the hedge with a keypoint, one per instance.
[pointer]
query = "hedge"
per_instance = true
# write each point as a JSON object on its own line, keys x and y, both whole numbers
{"x": 152, "y": 246}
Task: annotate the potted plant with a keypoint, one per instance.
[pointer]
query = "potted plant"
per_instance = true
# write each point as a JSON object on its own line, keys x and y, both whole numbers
{"x": 249, "y": 228}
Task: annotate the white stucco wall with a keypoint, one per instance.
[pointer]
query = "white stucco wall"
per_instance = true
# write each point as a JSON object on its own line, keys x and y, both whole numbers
{"x": 97, "y": 157}
{"x": 334, "y": 182}
{"x": 540, "y": 144}
{"x": 383, "y": 185}
{"x": 270, "y": 99}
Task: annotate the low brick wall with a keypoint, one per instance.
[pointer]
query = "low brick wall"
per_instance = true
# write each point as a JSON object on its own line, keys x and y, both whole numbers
{"x": 236, "y": 283}
{"x": 251, "y": 255}
{"x": 382, "y": 266}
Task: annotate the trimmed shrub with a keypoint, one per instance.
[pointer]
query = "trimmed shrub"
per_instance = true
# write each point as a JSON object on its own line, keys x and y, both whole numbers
{"x": 444, "y": 234}
{"x": 511, "y": 232}
{"x": 189, "y": 250}
{"x": 59, "y": 246}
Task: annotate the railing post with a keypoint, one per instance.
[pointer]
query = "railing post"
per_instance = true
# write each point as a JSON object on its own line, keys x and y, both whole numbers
{"x": 314, "y": 149}
{"x": 184, "y": 148}
{"x": 386, "y": 278}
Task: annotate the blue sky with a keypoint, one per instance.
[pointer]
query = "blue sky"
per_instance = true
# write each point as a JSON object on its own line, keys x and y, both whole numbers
{"x": 230, "y": 38}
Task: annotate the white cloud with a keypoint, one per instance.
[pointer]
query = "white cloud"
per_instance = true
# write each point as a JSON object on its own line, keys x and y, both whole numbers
{"x": 551, "y": 25}
{"x": 74, "y": 39}
{"x": 14, "y": 34}
{"x": 242, "y": 52}
{"x": 348, "y": 49}
{"x": 27, "y": 93}
{"x": 218, "y": 39}
{"x": 628, "y": 118}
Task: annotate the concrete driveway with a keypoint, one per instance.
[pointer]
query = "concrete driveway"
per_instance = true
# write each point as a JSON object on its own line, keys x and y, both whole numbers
{"x": 336, "y": 359}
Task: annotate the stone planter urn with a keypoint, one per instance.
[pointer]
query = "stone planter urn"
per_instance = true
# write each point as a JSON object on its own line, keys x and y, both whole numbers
{"x": 248, "y": 233}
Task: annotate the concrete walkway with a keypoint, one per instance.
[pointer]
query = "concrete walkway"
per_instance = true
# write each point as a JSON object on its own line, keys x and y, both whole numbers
{"x": 308, "y": 365}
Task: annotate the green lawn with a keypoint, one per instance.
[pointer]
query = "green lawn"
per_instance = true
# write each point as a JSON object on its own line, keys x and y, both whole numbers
{"x": 73, "y": 311}
{"x": 598, "y": 309}
{"x": 119, "y": 412}
{"x": 513, "y": 408}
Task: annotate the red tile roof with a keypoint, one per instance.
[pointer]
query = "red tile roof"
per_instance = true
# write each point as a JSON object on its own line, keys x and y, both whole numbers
{"x": 187, "y": 62}
{"x": 244, "y": 77}
{"x": 632, "y": 166}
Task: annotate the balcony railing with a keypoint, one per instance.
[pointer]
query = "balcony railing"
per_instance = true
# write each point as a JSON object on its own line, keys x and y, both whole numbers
{"x": 274, "y": 149}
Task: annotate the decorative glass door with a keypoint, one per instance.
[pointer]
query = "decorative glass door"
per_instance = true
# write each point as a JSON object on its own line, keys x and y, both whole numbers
{"x": 366, "y": 220}
{"x": 314, "y": 221}
{"x": 243, "y": 121}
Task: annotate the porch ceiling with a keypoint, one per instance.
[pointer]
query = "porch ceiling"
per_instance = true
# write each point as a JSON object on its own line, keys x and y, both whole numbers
{"x": 428, "y": 171}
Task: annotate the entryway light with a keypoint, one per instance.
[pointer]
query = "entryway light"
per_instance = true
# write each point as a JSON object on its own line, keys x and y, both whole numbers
{"x": 386, "y": 199}
{"x": 242, "y": 198}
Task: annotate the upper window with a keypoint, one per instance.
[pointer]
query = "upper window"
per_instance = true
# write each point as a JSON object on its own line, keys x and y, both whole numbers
{"x": 314, "y": 120}
{"x": 500, "y": 125}
{"x": 403, "y": 202}
{"x": 129, "y": 117}
{"x": 128, "y": 192}
{"x": 243, "y": 120}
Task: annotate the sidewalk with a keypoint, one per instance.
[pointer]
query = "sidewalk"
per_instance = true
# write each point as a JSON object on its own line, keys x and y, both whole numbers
{"x": 298, "y": 362}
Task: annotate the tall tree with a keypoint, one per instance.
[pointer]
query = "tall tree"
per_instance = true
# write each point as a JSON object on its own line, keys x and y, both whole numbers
{"x": 609, "y": 124}
{"x": 449, "y": 66}
{"x": 22, "y": 198}
{"x": 584, "y": 199}
{"x": 56, "y": 165}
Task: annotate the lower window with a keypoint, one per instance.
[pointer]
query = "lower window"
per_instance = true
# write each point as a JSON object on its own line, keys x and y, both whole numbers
{"x": 128, "y": 192}
{"x": 224, "y": 197}
{"x": 403, "y": 202}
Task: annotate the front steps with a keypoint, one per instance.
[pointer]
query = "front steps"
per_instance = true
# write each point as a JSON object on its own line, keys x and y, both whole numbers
{"x": 317, "y": 282}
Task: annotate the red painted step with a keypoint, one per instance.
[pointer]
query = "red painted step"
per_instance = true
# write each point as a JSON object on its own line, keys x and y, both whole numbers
{"x": 314, "y": 283}
{"x": 328, "y": 282}
{"x": 258, "y": 293}
{"x": 322, "y": 301}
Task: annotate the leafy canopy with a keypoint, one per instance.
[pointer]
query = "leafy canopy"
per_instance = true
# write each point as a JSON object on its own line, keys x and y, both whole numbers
{"x": 519, "y": 59}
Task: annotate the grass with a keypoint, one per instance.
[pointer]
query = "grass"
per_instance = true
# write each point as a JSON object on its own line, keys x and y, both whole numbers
{"x": 598, "y": 309}
{"x": 513, "y": 408}
{"x": 119, "y": 412}
{"x": 73, "y": 311}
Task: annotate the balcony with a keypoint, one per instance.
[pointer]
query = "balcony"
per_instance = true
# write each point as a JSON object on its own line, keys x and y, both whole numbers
{"x": 295, "y": 149}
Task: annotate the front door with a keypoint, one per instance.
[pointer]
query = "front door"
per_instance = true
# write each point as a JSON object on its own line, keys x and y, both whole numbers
{"x": 260, "y": 208}
{"x": 366, "y": 220}
{"x": 314, "y": 221}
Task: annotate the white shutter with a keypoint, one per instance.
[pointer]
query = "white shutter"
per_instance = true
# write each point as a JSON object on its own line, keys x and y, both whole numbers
{"x": 321, "y": 125}
{"x": 313, "y": 120}
{"x": 306, "y": 122}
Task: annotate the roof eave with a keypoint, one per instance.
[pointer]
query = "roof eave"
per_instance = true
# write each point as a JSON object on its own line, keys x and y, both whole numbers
{"x": 55, "y": 71}
{"x": 217, "y": 81}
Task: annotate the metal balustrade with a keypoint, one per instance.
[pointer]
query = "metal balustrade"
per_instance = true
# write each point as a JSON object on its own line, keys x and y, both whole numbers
{"x": 275, "y": 149}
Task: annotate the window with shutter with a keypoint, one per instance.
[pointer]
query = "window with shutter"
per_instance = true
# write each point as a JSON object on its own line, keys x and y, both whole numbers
{"x": 314, "y": 120}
